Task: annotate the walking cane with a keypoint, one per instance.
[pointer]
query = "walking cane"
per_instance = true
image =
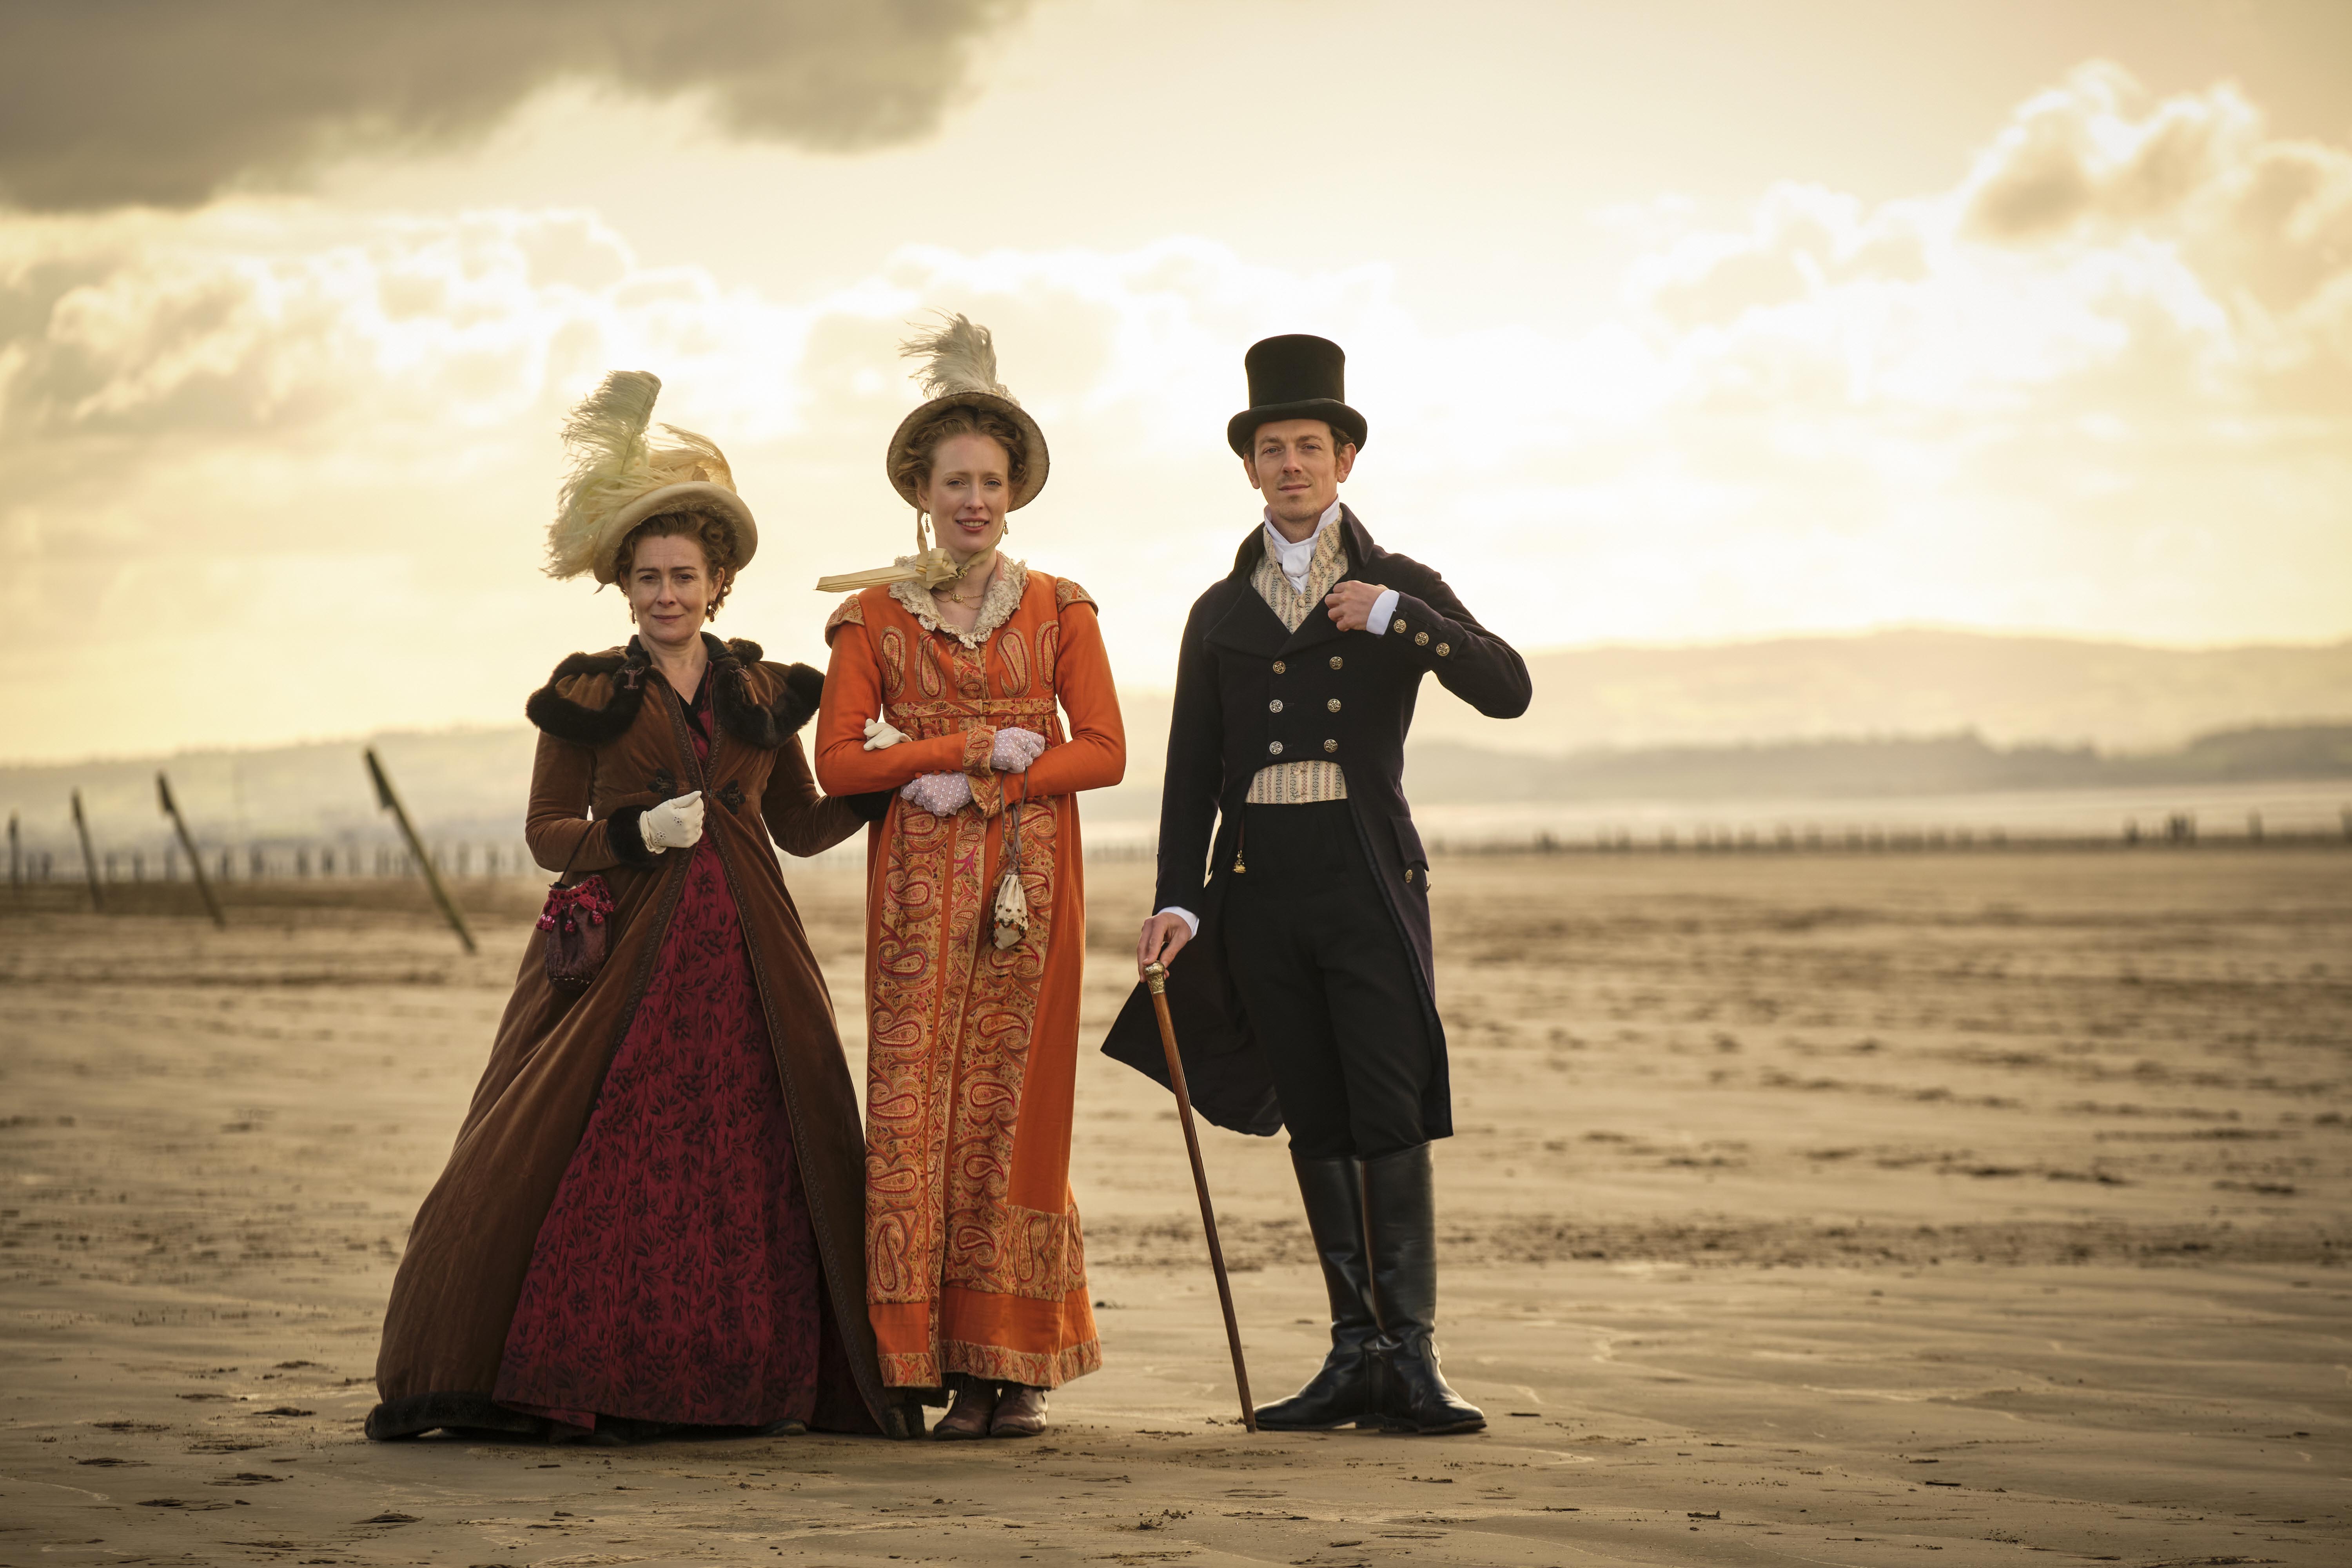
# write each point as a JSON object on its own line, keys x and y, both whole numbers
{"x": 1155, "y": 975}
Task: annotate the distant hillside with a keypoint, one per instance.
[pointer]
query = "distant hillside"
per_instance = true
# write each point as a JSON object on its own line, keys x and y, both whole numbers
{"x": 1442, "y": 774}
{"x": 1886, "y": 713}
{"x": 2011, "y": 691}
{"x": 470, "y": 784}
{"x": 458, "y": 783}
{"x": 2008, "y": 691}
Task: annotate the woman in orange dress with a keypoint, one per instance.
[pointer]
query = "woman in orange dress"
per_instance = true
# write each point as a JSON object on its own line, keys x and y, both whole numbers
{"x": 951, "y": 675}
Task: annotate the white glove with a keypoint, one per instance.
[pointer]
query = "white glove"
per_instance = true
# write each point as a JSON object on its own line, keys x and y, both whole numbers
{"x": 674, "y": 824}
{"x": 881, "y": 734}
{"x": 1015, "y": 750}
{"x": 939, "y": 794}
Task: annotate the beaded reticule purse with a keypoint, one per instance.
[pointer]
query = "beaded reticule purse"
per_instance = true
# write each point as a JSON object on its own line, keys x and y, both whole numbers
{"x": 577, "y": 920}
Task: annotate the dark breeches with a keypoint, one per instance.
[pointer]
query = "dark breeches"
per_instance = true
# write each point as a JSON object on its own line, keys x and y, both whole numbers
{"x": 1327, "y": 983}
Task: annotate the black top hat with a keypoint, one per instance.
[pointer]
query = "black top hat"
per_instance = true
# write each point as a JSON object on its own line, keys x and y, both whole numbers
{"x": 1296, "y": 377}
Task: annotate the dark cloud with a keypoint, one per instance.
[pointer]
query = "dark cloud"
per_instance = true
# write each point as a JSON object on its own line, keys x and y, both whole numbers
{"x": 106, "y": 102}
{"x": 2099, "y": 150}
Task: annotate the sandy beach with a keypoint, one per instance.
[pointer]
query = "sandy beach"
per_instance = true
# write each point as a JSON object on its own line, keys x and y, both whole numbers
{"x": 1815, "y": 1208}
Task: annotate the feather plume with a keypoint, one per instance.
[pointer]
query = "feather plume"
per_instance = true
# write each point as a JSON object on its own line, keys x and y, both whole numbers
{"x": 959, "y": 357}
{"x": 695, "y": 459}
{"x": 611, "y": 464}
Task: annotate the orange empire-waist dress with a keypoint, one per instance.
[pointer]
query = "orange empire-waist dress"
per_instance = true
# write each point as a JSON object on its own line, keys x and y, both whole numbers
{"x": 974, "y": 1260}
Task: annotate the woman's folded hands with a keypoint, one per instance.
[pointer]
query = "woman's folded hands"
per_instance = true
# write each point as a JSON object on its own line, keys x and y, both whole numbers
{"x": 940, "y": 794}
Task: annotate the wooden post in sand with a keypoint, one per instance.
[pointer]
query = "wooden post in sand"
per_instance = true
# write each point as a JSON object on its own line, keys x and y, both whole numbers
{"x": 89, "y": 856}
{"x": 391, "y": 803}
{"x": 188, "y": 843}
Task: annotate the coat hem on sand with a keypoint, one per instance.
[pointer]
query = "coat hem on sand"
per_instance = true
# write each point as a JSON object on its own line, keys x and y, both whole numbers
{"x": 414, "y": 1414}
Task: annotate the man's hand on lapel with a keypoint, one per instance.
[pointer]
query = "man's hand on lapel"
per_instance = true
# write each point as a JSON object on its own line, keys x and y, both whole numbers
{"x": 1350, "y": 605}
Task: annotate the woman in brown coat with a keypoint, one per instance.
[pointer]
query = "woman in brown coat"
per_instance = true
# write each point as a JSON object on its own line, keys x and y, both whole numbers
{"x": 652, "y": 1215}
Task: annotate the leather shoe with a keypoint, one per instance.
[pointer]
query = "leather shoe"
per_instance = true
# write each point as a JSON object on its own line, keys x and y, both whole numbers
{"x": 975, "y": 1403}
{"x": 1020, "y": 1414}
{"x": 1413, "y": 1395}
{"x": 1341, "y": 1392}
{"x": 1401, "y": 1212}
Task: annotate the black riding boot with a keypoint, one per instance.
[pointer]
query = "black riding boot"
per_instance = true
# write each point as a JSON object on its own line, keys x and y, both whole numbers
{"x": 1400, "y": 1213}
{"x": 1342, "y": 1391}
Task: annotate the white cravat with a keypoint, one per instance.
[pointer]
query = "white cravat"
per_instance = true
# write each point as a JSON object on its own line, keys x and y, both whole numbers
{"x": 1295, "y": 556}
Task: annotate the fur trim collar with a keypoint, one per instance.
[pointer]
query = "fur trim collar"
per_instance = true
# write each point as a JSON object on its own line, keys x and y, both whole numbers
{"x": 575, "y": 706}
{"x": 996, "y": 605}
{"x": 557, "y": 708}
{"x": 738, "y": 706}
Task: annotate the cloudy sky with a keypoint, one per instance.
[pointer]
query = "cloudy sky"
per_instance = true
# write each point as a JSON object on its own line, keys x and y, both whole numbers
{"x": 1673, "y": 321}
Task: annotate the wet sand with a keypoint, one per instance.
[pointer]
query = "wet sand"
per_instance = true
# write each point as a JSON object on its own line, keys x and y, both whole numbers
{"x": 1816, "y": 1209}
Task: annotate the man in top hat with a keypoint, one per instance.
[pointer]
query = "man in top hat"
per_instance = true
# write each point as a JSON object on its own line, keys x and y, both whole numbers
{"x": 1298, "y": 943}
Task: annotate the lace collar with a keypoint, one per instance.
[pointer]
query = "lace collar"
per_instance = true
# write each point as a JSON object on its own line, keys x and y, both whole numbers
{"x": 996, "y": 605}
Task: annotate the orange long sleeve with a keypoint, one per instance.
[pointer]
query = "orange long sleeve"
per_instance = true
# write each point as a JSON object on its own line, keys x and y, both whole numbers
{"x": 853, "y": 695}
{"x": 1094, "y": 756}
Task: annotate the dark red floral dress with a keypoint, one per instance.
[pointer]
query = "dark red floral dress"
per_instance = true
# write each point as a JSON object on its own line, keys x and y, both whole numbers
{"x": 676, "y": 1276}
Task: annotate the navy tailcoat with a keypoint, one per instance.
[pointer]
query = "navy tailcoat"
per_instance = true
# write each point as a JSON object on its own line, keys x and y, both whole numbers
{"x": 1249, "y": 692}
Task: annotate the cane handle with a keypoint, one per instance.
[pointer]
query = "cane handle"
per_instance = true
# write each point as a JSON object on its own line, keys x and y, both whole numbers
{"x": 1155, "y": 975}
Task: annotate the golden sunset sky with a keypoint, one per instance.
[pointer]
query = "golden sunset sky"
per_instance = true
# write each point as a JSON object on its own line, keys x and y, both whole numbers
{"x": 1673, "y": 321}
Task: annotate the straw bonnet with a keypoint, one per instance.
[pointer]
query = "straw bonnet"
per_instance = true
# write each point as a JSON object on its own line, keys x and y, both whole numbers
{"x": 619, "y": 479}
{"x": 958, "y": 370}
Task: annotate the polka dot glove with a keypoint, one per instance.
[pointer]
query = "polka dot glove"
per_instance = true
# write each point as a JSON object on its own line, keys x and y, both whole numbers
{"x": 1015, "y": 750}
{"x": 939, "y": 794}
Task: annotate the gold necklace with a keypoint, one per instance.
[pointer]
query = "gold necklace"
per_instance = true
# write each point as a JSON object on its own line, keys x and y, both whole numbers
{"x": 958, "y": 598}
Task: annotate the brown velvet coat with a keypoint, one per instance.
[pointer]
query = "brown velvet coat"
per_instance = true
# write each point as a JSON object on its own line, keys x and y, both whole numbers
{"x": 613, "y": 741}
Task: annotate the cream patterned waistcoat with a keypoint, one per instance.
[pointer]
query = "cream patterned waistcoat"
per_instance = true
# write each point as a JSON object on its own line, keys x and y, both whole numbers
{"x": 1299, "y": 784}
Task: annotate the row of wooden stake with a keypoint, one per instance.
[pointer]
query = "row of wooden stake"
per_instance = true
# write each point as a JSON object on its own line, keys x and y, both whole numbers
{"x": 386, "y": 796}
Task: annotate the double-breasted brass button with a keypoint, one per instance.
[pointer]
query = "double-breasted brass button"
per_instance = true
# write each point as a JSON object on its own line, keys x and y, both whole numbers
{"x": 1337, "y": 661}
{"x": 1275, "y": 706}
{"x": 1330, "y": 745}
{"x": 1274, "y": 747}
{"x": 1280, "y": 667}
{"x": 1398, "y": 626}
{"x": 1333, "y": 705}
{"x": 1421, "y": 639}
{"x": 1408, "y": 873}
{"x": 1442, "y": 650}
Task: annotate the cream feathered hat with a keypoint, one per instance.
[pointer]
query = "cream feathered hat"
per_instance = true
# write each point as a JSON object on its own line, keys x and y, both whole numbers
{"x": 959, "y": 369}
{"x": 619, "y": 479}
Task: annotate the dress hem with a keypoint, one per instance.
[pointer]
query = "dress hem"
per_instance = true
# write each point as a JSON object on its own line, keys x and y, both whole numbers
{"x": 997, "y": 1363}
